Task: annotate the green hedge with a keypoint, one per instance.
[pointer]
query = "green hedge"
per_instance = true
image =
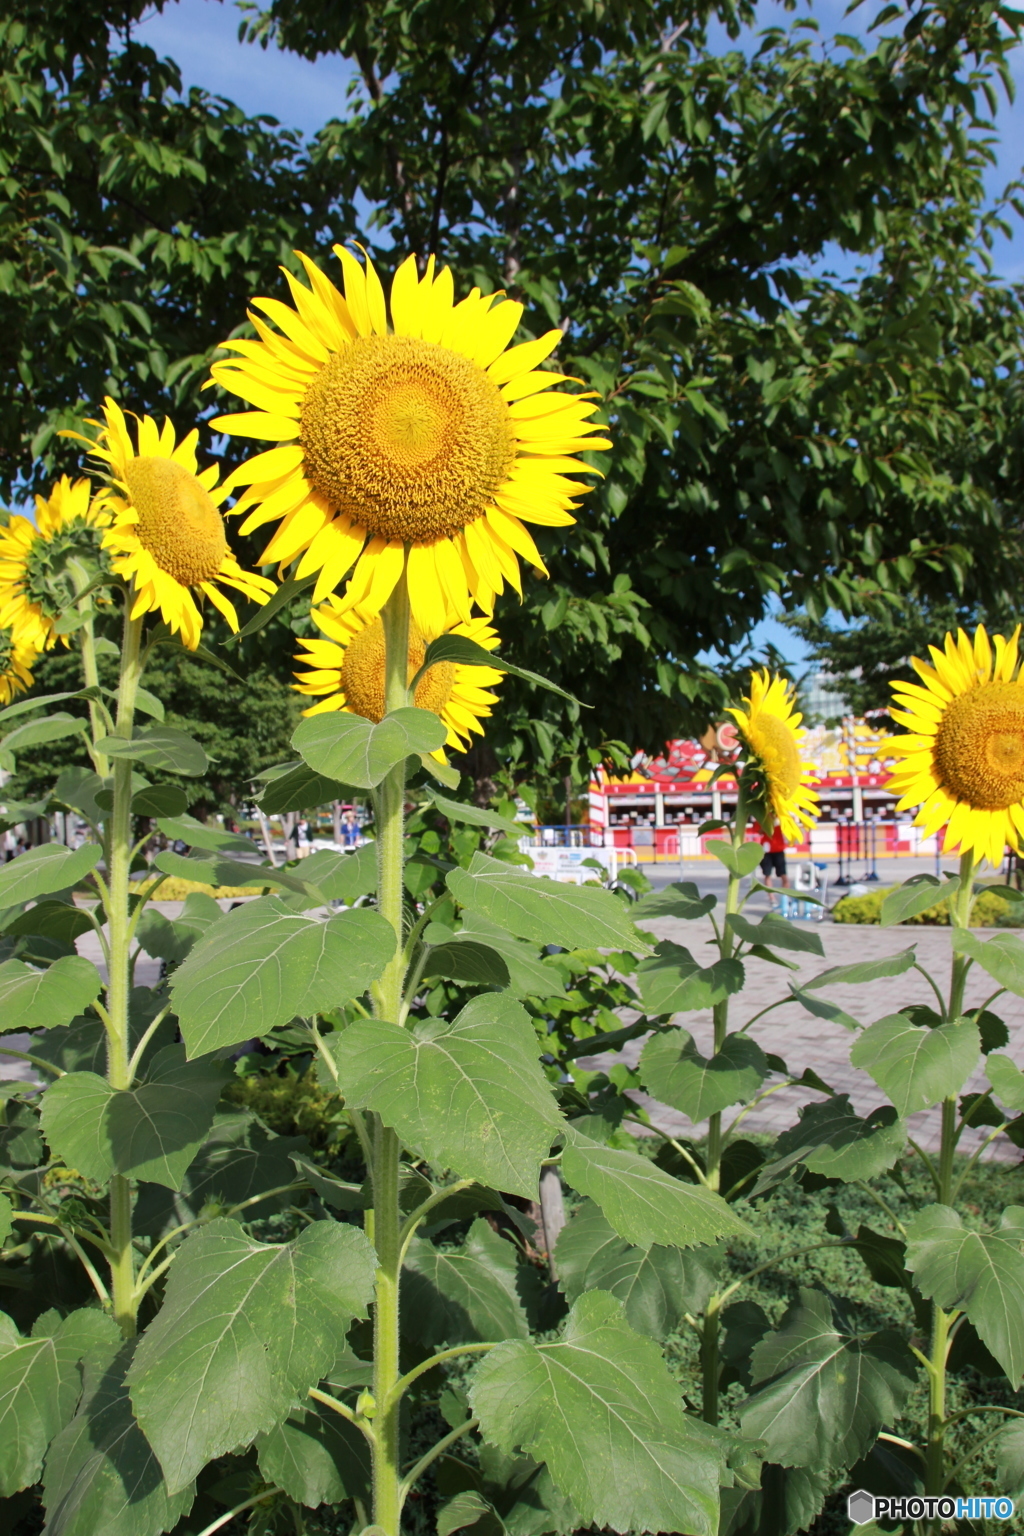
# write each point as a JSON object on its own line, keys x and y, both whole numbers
{"x": 990, "y": 910}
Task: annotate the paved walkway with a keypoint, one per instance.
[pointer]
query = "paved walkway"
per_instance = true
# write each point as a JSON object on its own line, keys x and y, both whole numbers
{"x": 803, "y": 1040}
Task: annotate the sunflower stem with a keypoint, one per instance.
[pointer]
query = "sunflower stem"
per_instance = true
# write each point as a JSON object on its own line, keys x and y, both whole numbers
{"x": 90, "y": 671}
{"x": 122, "y": 1272}
{"x": 384, "y": 1171}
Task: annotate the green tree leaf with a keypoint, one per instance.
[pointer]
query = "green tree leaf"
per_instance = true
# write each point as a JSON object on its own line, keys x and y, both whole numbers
{"x": 355, "y": 751}
{"x": 40, "y": 871}
{"x": 163, "y": 747}
{"x": 656, "y": 1286}
{"x": 644, "y": 1204}
{"x": 468, "y": 1094}
{"x": 981, "y": 1273}
{"x": 263, "y": 965}
{"x": 246, "y": 1328}
{"x": 101, "y": 1474}
{"x": 465, "y": 1294}
{"x": 823, "y": 1389}
{"x": 832, "y": 1140}
{"x": 673, "y": 1070}
{"x": 1002, "y": 957}
{"x": 31, "y": 999}
{"x": 535, "y": 907}
{"x": 40, "y": 1384}
{"x": 151, "y": 1131}
{"x": 599, "y": 1406}
{"x": 671, "y": 981}
{"x": 917, "y": 1067}
{"x": 775, "y": 932}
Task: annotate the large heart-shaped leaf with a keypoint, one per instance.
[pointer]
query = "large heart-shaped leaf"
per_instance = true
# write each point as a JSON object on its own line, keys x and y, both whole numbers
{"x": 671, "y": 981}
{"x": 31, "y": 999}
{"x": 468, "y": 1094}
{"x": 682, "y": 900}
{"x": 917, "y": 1067}
{"x": 263, "y": 965}
{"x": 316, "y": 1457}
{"x": 1002, "y": 957}
{"x": 40, "y": 871}
{"x": 165, "y": 939}
{"x": 599, "y": 1406}
{"x": 674, "y": 1071}
{"x": 295, "y": 787}
{"x": 980, "y": 1272}
{"x": 343, "y": 876}
{"x": 461, "y": 1295}
{"x": 61, "y": 921}
{"x": 164, "y": 747}
{"x": 535, "y": 907}
{"x": 352, "y": 750}
{"x": 656, "y": 1286}
{"x": 245, "y": 1330}
{"x": 832, "y": 1140}
{"x": 528, "y": 976}
{"x": 151, "y": 1131}
{"x": 822, "y": 1391}
{"x": 1006, "y": 1078}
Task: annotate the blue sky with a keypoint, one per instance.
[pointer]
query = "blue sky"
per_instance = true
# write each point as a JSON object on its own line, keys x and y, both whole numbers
{"x": 202, "y": 37}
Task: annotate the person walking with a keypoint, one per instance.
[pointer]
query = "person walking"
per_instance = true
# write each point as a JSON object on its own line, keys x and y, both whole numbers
{"x": 774, "y": 859}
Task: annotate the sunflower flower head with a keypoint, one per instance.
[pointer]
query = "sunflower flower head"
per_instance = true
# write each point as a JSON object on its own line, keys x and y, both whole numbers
{"x": 166, "y": 533}
{"x": 17, "y": 658}
{"x": 44, "y": 563}
{"x": 347, "y": 671}
{"x": 429, "y": 435}
{"x": 963, "y": 759}
{"x": 778, "y": 776}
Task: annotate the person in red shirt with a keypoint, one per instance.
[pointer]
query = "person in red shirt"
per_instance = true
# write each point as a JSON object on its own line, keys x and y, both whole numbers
{"x": 774, "y": 861}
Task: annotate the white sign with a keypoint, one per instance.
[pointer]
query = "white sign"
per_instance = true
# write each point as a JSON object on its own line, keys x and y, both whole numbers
{"x": 569, "y": 864}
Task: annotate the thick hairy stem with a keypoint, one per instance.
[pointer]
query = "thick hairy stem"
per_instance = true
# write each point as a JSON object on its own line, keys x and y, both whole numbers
{"x": 390, "y": 807}
{"x": 118, "y": 985}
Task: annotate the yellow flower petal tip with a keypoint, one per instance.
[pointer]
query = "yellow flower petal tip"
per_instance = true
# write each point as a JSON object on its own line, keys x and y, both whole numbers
{"x": 17, "y": 658}
{"x": 434, "y": 433}
{"x": 964, "y": 752}
{"x": 769, "y": 727}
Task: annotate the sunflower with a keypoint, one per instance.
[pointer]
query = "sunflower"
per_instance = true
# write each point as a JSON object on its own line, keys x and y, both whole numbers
{"x": 16, "y": 661}
{"x": 771, "y": 735}
{"x": 963, "y": 764}
{"x": 348, "y": 671}
{"x": 433, "y": 435}
{"x": 167, "y": 534}
{"x": 35, "y": 583}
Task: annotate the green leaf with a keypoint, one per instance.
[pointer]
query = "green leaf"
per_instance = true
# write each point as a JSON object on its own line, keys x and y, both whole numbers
{"x": 57, "y": 920}
{"x": 671, "y": 981}
{"x": 599, "y": 1406}
{"x": 1006, "y": 1078}
{"x": 644, "y": 1204}
{"x": 163, "y": 747}
{"x": 159, "y": 800}
{"x": 172, "y": 940}
{"x": 656, "y": 1286}
{"x": 863, "y": 971}
{"x": 198, "y": 835}
{"x": 216, "y": 869}
{"x": 469, "y": 1511}
{"x": 738, "y": 861}
{"x": 343, "y": 876}
{"x": 245, "y": 1330}
{"x": 34, "y": 732}
{"x": 6, "y": 1211}
{"x": 823, "y": 1389}
{"x": 822, "y": 1009}
{"x": 148, "y": 704}
{"x": 535, "y": 907}
{"x": 465, "y": 960}
{"x": 468, "y": 1094}
{"x": 151, "y": 1131}
{"x": 298, "y": 788}
{"x": 833, "y": 1141}
{"x": 1008, "y": 1449}
{"x": 917, "y": 1067}
{"x": 349, "y": 748}
{"x": 40, "y": 1384}
{"x": 31, "y": 999}
{"x": 1002, "y": 957}
{"x": 914, "y": 896}
{"x": 40, "y": 871}
{"x": 674, "y": 1071}
{"x": 981, "y": 1273}
{"x": 286, "y": 594}
{"x": 528, "y": 975}
{"x": 79, "y": 788}
{"x": 775, "y": 932}
{"x": 465, "y": 652}
{"x": 682, "y": 900}
{"x": 476, "y": 815}
{"x": 101, "y": 1474}
{"x": 463, "y": 1295}
{"x": 316, "y": 1457}
{"x": 44, "y": 701}
{"x": 262, "y": 965}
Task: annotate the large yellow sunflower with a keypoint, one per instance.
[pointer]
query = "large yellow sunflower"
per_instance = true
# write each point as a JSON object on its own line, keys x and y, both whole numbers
{"x": 348, "y": 671}
{"x": 167, "y": 534}
{"x": 433, "y": 434}
{"x": 16, "y": 661}
{"x": 964, "y": 761}
{"x": 35, "y": 584}
{"x": 771, "y": 735}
